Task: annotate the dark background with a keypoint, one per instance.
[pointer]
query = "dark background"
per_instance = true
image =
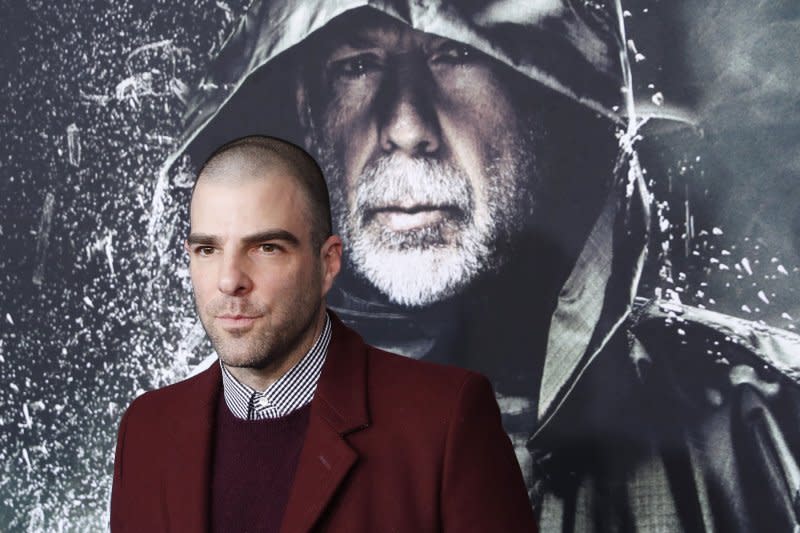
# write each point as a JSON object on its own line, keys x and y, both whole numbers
{"x": 95, "y": 306}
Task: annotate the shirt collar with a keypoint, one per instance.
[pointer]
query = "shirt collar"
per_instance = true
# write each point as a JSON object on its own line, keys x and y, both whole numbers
{"x": 291, "y": 391}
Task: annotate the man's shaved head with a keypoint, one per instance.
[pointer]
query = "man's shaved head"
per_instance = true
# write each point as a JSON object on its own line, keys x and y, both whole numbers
{"x": 251, "y": 157}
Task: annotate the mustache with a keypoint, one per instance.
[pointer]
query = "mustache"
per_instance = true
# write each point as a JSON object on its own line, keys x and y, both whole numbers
{"x": 233, "y": 307}
{"x": 412, "y": 185}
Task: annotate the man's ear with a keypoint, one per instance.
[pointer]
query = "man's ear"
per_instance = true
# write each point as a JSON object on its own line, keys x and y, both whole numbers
{"x": 331, "y": 256}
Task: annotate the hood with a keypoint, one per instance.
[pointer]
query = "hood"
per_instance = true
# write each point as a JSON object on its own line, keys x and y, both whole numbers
{"x": 585, "y": 59}
{"x": 249, "y": 89}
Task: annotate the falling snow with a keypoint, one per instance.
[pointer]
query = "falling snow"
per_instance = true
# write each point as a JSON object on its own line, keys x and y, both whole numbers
{"x": 657, "y": 98}
{"x": 92, "y": 312}
{"x": 96, "y": 306}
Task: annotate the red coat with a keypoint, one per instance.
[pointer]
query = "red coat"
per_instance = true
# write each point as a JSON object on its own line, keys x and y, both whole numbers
{"x": 393, "y": 444}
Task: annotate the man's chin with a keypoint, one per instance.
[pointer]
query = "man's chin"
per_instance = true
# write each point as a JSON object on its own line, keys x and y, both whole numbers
{"x": 236, "y": 352}
{"x": 243, "y": 361}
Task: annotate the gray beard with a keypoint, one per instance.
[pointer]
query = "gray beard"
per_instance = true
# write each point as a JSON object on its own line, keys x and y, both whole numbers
{"x": 422, "y": 266}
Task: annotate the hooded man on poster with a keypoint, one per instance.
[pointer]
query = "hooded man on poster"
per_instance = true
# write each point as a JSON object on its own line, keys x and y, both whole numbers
{"x": 482, "y": 165}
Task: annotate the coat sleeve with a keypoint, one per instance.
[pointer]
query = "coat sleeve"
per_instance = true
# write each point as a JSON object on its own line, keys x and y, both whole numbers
{"x": 482, "y": 485}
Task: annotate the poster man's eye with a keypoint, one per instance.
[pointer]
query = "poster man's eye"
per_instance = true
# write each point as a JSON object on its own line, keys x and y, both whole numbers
{"x": 453, "y": 53}
{"x": 355, "y": 66}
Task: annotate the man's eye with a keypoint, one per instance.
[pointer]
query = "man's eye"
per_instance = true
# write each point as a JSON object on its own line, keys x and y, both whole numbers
{"x": 454, "y": 54}
{"x": 268, "y": 248}
{"x": 204, "y": 251}
{"x": 355, "y": 66}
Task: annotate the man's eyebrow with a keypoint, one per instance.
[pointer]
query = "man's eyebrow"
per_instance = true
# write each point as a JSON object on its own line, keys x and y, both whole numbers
{"x": 272, "y": 235}
{"x": 201, "y": 238}
{"x": 269, "y": 235}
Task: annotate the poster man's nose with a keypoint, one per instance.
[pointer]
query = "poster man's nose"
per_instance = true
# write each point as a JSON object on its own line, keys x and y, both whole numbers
{"x": 410, "y": 124}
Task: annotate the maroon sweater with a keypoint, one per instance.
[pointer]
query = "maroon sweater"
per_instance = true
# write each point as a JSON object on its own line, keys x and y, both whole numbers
{"x": 253, "y": 469}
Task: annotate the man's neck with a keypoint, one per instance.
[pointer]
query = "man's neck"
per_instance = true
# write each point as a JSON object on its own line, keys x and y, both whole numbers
{"x": 261, "y": 378}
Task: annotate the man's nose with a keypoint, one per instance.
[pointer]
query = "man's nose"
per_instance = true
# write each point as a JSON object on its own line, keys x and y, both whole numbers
{"x": 233, "y": 278}
{"x": 409, "y": 122}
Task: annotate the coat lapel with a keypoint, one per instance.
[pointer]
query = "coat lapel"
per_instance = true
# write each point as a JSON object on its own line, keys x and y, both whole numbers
{"x": 187, "y": 481}
{"x": 338, "y": 409}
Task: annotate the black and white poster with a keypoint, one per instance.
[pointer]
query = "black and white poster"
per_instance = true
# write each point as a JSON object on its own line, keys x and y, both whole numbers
{"x": 594, "y": 203}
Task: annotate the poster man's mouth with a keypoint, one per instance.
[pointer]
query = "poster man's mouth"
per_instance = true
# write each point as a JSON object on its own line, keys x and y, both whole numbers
{"x": 408, "y": 218}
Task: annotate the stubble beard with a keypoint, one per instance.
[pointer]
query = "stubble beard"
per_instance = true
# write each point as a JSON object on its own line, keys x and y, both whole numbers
{"x": 422, "y": 266}
{"x": 267, "y": 344}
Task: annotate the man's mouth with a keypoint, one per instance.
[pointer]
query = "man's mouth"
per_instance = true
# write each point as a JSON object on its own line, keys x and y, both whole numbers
{"x": 400, "y": 219}
{"x": 236, "y": 322}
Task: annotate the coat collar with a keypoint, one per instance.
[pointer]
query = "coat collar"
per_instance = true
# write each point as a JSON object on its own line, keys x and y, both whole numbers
{"x": 339, "y": 408}
{"x": 598, "y": 296}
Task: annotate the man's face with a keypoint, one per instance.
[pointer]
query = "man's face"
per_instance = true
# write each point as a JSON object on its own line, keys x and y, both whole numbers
{"x": 258, "y": 283}
{"x": 430, "y": 169}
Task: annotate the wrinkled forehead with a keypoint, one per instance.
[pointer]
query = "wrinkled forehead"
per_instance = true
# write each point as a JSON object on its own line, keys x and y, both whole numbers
{"x": 370, "y": 29}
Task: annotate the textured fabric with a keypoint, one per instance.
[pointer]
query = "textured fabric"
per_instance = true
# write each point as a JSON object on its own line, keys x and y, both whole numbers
{"x": 687, "y": 420}
{"x": 291, "y": 391}
{"x": 392, "y": 444}
{"x": 254, "y": 465}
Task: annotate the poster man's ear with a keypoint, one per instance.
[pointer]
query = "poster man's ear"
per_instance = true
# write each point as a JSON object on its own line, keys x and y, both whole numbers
{"x": 303, "y": 109}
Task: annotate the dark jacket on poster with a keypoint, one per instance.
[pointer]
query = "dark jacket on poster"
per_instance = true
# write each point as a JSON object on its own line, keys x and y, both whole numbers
{"x": 392, "y": 445}
{"x": 639, "y": 415}
{"x": 687, "y": 420}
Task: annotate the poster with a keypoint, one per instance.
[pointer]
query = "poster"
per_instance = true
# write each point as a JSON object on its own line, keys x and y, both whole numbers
{"x": 613, "y": 238}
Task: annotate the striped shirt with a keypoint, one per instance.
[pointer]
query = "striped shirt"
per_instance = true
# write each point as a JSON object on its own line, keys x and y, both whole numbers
{"x": 293, "y": 390}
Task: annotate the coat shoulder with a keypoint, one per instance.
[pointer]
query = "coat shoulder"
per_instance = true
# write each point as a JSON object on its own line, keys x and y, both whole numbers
{"x": 416, "y": 375}
{"x": 430, "y": 393}
{"x": 173, "y": 400}
{"x": 694, "y": 336}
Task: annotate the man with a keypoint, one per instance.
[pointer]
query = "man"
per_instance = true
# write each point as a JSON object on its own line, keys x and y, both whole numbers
{"x": 483, "y": 173}
{"x": 301, "y": 425}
